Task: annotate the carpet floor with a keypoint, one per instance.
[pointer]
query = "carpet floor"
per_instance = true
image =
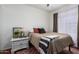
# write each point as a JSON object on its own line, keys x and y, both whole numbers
{"x": 32, "y": 50}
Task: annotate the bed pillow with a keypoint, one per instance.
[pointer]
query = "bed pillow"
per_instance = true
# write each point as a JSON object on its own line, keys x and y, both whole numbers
{"x": 42, "y": 30}
{"x": 36, "y": 30}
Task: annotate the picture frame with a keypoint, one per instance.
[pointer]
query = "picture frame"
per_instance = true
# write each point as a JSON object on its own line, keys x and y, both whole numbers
{"x": 16, "y": 32}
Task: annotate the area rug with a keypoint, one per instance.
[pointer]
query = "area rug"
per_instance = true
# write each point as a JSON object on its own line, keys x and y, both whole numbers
{"x": 32, "y": 50}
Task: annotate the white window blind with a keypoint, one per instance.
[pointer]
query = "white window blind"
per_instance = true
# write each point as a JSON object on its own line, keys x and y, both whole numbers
{"x": 67, "y": 23}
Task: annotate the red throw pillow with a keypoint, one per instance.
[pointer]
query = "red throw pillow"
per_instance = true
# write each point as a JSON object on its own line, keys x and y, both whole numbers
{"x": 36, "y": 30}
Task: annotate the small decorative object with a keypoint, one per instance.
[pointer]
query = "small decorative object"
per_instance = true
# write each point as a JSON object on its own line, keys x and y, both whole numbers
{"x": 22, "y": 34}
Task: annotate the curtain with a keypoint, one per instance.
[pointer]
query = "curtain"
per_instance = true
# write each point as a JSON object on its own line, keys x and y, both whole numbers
{"x": 55, "y": 24}
{"x": 78, "y": 28}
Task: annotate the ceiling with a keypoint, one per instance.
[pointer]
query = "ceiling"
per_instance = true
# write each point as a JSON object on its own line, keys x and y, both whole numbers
{"x": 51, "y": 7}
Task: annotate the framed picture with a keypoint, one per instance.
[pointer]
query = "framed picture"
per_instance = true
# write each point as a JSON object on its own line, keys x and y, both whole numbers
{"x": 17, "y": 32}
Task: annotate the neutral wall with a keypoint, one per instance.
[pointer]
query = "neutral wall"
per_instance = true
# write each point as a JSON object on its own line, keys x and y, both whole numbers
{"x": 0, "y": 25}
{"x": 21, "y": 16}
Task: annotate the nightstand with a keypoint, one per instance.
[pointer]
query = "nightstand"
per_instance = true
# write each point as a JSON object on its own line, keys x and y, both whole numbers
{"x": 19, "y": 43}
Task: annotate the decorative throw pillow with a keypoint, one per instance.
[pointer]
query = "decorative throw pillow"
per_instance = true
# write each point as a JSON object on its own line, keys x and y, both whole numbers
{"x": 36, "y": 30}
{"x": 42, "y": 30}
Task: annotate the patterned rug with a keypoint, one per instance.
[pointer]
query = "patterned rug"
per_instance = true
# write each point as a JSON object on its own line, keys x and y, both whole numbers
{"x": 32, "y": 50}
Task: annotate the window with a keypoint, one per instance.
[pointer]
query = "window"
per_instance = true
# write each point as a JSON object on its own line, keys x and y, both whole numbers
{"x": 67, "y": 23}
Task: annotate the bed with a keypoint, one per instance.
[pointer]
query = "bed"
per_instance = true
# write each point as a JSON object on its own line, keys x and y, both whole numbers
{"x": 57, "y": 46}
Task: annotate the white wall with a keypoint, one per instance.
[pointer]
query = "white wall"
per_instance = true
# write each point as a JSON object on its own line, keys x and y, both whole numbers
{"x": 0, "y": 25}
{"x": 21, "y": 16}
{"x": 51, "y": 22}
{"x": 72, "y": 11}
